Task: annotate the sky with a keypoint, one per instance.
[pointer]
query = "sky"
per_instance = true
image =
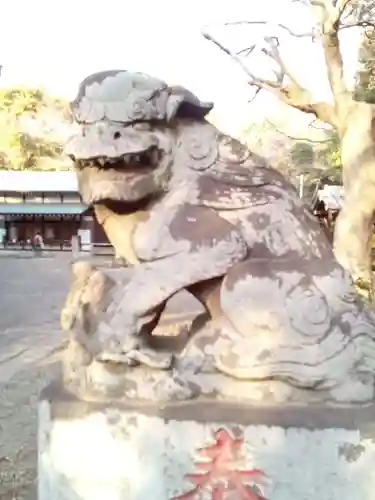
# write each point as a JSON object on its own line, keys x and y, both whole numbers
{"x": 55, "y": 44}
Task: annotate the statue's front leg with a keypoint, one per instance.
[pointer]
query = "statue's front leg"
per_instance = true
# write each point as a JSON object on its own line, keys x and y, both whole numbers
{"x": 196, "y": 245}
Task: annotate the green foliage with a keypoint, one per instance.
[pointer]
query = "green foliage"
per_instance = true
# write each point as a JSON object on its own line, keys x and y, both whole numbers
{"x": 302, "y": 154}
{"x": 327, "y": 154}
{"x": 331, "y": 154}
{"x": 365, "y": 90}
{"x": 319, "y": 162}
{"x": 19, "y": 149}
{"x": 17, "y": 102}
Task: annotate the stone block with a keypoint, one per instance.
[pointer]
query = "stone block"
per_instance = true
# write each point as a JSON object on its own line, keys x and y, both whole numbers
{"x": 202, "y": 450}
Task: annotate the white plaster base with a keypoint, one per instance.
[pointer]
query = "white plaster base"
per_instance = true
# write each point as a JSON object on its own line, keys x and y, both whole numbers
{"x": 92, "y": 452}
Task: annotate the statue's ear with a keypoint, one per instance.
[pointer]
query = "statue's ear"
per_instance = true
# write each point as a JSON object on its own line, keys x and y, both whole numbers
{"x": 184, "y": 104}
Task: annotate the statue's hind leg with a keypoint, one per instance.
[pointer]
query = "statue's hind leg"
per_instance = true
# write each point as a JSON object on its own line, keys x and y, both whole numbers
{"x": 299, "y": 321}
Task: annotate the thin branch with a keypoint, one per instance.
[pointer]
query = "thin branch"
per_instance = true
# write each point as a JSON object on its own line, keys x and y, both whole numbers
{"x": 293, "y": 95}
{"x": 235, "y": 58}
{"x": 358, "y": 24}
{"x": 279, "y": 25}
{"x": 257, "y": 90}
{"x": 308, "y": 34}
{"x": 297, "y": 139}
{"x": 315, "y": 125}
{"x": 246, "y": 51}
{"x": 341, "y": 8}
{"x": 273, "y": 53}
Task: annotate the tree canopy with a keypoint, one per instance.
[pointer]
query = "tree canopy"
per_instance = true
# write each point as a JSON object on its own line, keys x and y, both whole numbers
{"x": 28, "y": 139}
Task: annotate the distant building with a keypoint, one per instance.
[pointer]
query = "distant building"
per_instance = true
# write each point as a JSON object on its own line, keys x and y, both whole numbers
{"x": 47, "y": 203}
{"x": 326, "y": 206}
{"x": 332, "y": 197}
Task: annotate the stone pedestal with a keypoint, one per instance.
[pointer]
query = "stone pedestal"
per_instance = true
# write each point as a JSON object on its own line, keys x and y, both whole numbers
{"x": 198, "y": 450}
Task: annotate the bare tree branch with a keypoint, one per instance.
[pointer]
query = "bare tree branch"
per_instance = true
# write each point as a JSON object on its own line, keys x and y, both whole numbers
{"x": 297, "y": 139}
{"x": 314, "y": 124}
{"x": 246, "y": 51}
{"x": 279, "y": 25}
{"x": 308, "y": 34}
{"x": 293, "y": 95}
{"x": 358, "y": 24}
{"x": 257, "y": 90}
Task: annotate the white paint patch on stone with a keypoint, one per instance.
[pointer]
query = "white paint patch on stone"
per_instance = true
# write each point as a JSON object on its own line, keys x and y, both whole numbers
{"x": 118, "y": 455}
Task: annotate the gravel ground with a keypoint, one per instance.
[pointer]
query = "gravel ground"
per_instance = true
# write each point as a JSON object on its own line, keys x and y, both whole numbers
{"x": 31, "y": 342}
{"x": 33, "y": 291}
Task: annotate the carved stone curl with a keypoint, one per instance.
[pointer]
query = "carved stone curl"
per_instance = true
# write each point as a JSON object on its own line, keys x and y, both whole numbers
{"x": 285, "y": 322}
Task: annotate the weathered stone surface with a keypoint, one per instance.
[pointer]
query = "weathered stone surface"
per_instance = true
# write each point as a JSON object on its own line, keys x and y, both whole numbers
{"x": 285, "y": 323}
{"x": 142, "y": 452}
{"x": 119, "y": 229}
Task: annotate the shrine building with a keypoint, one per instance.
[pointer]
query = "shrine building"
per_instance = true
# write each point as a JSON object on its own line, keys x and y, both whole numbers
{"x": 47, "y": 203}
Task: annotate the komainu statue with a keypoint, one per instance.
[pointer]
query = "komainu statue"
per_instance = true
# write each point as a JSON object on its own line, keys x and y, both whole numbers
{"x": 198, "y": 211}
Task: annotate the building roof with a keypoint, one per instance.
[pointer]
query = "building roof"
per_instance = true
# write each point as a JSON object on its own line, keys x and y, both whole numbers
{"x": 42, "y": 208}
{"x": 29, "y": 181}
{"x": 332, "y": 196}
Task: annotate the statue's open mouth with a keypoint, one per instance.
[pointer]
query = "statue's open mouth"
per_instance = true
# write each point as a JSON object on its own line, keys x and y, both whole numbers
{"x": 127, "y": 178}
{"x": 130, "y": 164}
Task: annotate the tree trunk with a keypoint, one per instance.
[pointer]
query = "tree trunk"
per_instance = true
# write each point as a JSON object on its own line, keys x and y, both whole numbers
{"x": 354, "y": 224}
